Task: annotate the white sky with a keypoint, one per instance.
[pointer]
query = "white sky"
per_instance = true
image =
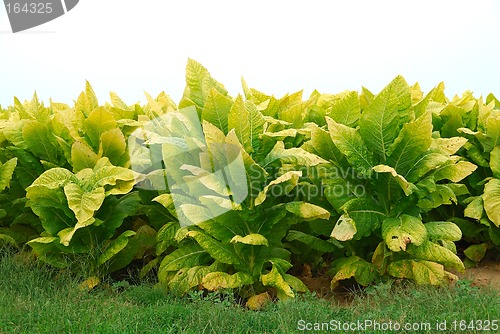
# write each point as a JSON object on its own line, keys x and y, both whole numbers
{"x": 130, "y": 47}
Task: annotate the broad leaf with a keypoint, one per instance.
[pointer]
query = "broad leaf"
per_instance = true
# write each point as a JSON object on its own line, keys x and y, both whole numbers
{"x": 401, "y": 231}
{"x": 6, "y": 171}
{"x": 307, "y": 210}
{"x": 491, "y": 198}
{"x": 431, "y": 251}
{"x": 349, "y": 142}
{"x": 363, "y": 272}
{"x": 379, "y": 125}
{"x": 422, "y": 272}
{"x": 251, "y": 239}
{"x": 220, "y": 280}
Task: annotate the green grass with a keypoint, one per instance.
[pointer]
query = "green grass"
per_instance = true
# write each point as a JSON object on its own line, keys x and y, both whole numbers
{"x": 34, "y": 299}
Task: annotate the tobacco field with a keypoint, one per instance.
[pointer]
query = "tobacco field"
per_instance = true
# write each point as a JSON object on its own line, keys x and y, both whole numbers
{"x": 241, "y": 193}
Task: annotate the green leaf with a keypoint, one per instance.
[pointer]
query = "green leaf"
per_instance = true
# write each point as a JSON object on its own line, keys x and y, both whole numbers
{"x": 220, "y": 280}
{"x": 186, "y": 256}
{"x": 422, "y": 272}
{"x": 251, "y": 239}
{"x": 98, "y": 122}
{"x": 431, "y": 251}
{"x": 413, "y": 140}
{"x": 82, "y": 156}
{"x": 307, "y": 211}
{"x": 219, "y": 251}
{"x": 495, "y": 161}
{"x": 199, "y": 83}
{"x": 443, "y": 231}
{"x": 349, "y": 142}
{"x": 366, "y": 216}
{"x": 188, "y": 278}
{"x": 401, "y": 231}
{"x": 216, "y": 110}
{"x": 295, "y": 283}
{"x": 115, "y": 247}
{"x": 247, "y": 122}
{"x": 475, "y": 208}
{"x": 6, "y": 171}
{"x": 344, "y": 107}
{"x": 476, "y": 252}
{"x": 41, "y": 141}
{"x": 379, "y": 124}
{"x": 312, "y": 241}
{"x": 166, "y": 236}
{"x": 407, "y": 187}
{"x": 362, "y": 271}
{"x": 428, "y": 162}
{"x": 491, "y": 198}
{"x": 5, "y": 239}
{"x": 321, "y": 144}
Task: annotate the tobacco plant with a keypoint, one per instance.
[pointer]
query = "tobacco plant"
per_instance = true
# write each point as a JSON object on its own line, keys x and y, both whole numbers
{"x": 479, "y": 123}
{"x": 229, "y": 180}
{"x": 386, "y": 169}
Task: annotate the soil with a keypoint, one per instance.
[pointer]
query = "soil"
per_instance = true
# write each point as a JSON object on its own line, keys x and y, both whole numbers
{"x": 486, "y": 274}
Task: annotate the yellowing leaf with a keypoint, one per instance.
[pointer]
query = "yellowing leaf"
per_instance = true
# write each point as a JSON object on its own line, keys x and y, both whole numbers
{"x": 431, "y": 251}
{"x": 422, "y": 272}
{"x": 307, "y": 211}
{"x": 491, "y": 198}
{"x": 475, "y": 208}
{"x": 345, "y": 229}
{"x": 113, "y": 146}
{"x": 216, "y": 110}
{"x": 251, "y": 239}
{"x": 98, "y": 121}
{"x": 82, "y": 156}
{"x": 456, "y": 172}
{"x": 407, "y": 187}
{"x": 401, "y": 231}
{"x": 220, "y": 280}
{"x": 83, "y": 203}
{"x": 89, "y": 283}
{"x": 362, "y": 271}
{"x": 286, "y": 183}
{"x": 259, "y": 301}
{"x": 275, "y": 280}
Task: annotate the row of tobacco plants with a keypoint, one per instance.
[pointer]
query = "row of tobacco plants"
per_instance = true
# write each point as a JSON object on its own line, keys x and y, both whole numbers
{"x": 240, "y": 193}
